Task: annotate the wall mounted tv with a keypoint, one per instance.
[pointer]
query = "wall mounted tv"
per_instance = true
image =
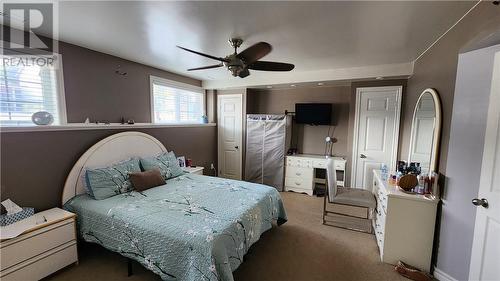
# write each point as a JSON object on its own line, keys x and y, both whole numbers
{"x": 313, "y": 113}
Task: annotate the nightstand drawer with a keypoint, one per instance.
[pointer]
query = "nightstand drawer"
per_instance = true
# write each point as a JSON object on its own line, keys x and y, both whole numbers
{"x": 42, "y": 265}
{"x": 36, "y": 242}
{"x": 299, "y": 172}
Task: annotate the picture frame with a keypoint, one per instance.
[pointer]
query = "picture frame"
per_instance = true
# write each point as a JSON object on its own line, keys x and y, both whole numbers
{"x": 182, "y": 161}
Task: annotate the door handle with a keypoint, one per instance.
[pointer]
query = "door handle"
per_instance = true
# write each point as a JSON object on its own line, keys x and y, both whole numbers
{"x": 480, "y": 202}
{"x": 236, "y": 147}
{"x": 362, "y": 156}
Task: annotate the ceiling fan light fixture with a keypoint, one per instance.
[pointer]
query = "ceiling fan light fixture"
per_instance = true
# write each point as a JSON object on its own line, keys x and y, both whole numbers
{"x": 240, "y": 63}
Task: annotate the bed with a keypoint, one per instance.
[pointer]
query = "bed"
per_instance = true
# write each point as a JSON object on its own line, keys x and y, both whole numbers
{"x": 193, "y": 228}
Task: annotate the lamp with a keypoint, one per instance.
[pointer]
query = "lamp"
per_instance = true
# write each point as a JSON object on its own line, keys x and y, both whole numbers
{"x": 329, "y": 146}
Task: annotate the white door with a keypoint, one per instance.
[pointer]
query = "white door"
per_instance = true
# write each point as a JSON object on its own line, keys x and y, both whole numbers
{"x": 485, "y": 256}
{"x": 376, "y": 132}
{"x": 230, "y": 127}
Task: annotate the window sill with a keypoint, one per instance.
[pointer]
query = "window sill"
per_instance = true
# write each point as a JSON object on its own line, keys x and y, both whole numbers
{"x": 112, "y": 126}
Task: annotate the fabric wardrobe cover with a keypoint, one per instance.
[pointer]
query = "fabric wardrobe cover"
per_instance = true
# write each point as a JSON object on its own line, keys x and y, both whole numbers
{"x": 266, "y": 147}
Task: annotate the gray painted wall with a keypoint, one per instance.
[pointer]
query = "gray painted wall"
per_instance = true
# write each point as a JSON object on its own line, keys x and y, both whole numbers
{"x": 465, "y": 150}
{"x": 311, "y": 138}
{"x": 34, "y": 165}
{"x": 438, "y": 69}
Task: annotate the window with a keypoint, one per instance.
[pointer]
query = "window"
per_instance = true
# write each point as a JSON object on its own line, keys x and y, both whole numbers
{"x": 27, "y": 87}
{"x": 176, "y": 103}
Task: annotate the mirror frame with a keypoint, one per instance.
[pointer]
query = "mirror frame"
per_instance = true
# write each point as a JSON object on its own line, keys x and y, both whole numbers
{"x": 433, "y": 163}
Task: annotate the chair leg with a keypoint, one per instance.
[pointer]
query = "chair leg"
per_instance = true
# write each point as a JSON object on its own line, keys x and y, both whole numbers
{"x": 129, "y": 267}
{"x": 324, "y": 200}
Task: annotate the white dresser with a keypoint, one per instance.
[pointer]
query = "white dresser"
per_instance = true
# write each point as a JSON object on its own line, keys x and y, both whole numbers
{"x": 48, "y": 243}
{"x": 300, "y": 175}
{"x": 404, "y": 225}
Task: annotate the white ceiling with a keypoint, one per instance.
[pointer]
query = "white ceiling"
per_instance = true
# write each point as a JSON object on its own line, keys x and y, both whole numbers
{"x": 324, "y": 39}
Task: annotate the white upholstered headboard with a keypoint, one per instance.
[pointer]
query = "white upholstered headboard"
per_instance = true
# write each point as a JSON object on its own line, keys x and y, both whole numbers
{"x": 108, "y": 151}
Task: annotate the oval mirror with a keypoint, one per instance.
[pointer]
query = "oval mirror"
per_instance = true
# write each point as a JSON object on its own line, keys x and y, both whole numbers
{"x": 426, "y": 131}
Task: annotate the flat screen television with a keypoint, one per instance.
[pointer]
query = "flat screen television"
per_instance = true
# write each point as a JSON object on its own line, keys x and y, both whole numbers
{"x": 313, "y": 113}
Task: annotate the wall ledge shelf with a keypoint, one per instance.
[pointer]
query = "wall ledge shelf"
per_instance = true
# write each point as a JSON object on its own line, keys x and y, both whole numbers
{"x": 111, "y": 126}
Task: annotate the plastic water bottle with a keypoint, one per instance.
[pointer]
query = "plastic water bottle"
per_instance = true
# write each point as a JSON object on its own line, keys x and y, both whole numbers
{"x": 384, "y": 172}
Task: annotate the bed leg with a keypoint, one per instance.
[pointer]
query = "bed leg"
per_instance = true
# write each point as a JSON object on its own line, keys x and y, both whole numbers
{"x": 129, "y": 267}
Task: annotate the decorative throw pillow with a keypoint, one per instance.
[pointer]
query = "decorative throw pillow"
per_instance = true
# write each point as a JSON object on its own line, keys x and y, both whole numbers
{"x": 113, "y": 180}
{"x": 146, "y": 180}
{"x": 166, "y": 162}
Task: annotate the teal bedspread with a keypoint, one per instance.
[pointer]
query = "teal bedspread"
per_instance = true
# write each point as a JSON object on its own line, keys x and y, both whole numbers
{"x": 193, "y": 228}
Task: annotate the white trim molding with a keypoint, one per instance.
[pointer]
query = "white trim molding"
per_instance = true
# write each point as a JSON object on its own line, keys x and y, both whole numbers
{"x": 442, "y": 276}
{"x": 111, "y": 126}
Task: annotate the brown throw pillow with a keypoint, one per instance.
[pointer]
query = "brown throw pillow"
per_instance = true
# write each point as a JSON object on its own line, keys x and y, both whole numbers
{"x": 146, "y": 180}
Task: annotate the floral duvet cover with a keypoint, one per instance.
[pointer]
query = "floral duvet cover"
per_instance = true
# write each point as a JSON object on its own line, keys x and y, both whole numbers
{"x": 193, "y": 228}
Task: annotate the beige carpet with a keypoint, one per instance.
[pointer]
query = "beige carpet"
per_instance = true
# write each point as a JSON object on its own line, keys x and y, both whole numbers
{"x": 301, "y": 249}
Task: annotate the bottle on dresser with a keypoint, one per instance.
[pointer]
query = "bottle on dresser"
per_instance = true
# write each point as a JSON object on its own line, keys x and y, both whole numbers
{"x": 383, "y": 172}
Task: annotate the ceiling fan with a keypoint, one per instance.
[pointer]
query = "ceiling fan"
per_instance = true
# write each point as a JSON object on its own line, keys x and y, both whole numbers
{"x": 240, "y": 63}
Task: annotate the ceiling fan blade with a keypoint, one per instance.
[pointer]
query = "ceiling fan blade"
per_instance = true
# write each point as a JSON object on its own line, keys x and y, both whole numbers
{"x": 202, "y": 54}
{"x": 271, "y": 66}
{"x": 244, "y": 73}
{"x": 255, "y": 52}
{"x": 206, "y": 67}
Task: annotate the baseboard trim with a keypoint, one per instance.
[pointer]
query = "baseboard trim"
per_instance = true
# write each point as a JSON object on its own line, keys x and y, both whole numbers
{"x": 442, "y": 276}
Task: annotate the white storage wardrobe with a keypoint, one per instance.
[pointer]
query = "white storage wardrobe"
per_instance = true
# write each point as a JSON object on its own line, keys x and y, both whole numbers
{"x": 268, "y": 139}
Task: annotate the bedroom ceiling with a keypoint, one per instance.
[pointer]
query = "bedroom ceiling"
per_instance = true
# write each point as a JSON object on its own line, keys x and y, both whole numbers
{"x": 325, "y": 40}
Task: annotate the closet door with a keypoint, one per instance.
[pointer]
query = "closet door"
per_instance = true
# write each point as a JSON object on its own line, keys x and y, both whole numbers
{"x": 254, "y": 148}
{"x": 274, "y": 151}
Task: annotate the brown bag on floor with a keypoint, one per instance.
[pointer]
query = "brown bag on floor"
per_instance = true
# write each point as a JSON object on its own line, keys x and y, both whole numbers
{"x": 411, "y": 272}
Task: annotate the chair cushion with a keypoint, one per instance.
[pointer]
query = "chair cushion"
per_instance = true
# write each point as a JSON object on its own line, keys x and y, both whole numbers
{"x": 355, "y": 197}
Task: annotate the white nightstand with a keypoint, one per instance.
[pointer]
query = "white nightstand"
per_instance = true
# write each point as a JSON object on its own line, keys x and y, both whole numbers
{"x": 198, "y": 170}
{"x": 42, "y": 248}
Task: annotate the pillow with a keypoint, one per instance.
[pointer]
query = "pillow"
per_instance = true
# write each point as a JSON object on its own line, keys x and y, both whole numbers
{"x": 110, "y": 181}
{"x": 85, "y": 183}
{"x": 146, "y": 180}
{"x": 166, "y": 162}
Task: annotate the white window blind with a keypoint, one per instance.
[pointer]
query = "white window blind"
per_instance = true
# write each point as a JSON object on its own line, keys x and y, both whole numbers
{"x": 176, "y": 104}
{"x": 26, "y": 89}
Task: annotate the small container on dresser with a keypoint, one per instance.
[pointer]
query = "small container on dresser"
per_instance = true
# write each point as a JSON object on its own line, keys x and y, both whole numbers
{"x": 47, "y": 244}
{"x": 404, "y": 224}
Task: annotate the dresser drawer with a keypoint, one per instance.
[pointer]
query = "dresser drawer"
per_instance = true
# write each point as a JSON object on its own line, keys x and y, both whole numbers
{"x": 42, "y": 265}
{"x": 380, "y": 221}
{"x": 381, "y": 201}
{"x": 299, "y": 172}
{"x": 299, "y": 183}
{"x": 35, "y": 243}
{"x": 320, "y": 164}
{"x": 299, "y": 162}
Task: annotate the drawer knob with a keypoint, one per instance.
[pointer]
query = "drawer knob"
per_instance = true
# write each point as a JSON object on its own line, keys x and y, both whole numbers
{"x": 298, "y": 174}
{"x": 297, "y": 183}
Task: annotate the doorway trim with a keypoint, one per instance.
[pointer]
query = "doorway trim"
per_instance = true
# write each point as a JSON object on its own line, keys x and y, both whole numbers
{"x": 394, "y": 151}
{"x": 240, "y": 151}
